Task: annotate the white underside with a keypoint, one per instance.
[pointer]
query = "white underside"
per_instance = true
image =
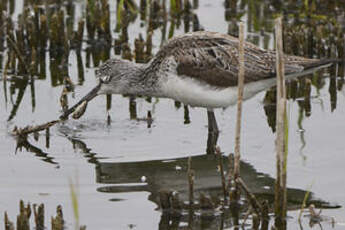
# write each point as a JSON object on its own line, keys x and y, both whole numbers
{"x": 200, "y": 94}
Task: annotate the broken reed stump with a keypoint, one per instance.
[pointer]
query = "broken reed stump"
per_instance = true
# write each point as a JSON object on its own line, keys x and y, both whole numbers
{"x": 8, "y": 224}
{"x": 281, "y": 121}
{"x": 57, "y": 222}
{"x": 39, "y": 216}
{"x": 230, "y": 175}
{"x": 23, "y": 222}
{"x": 265, "y": 215}
{"x": 190, "y": 173}
{"x": 64, "y": 100}
{"x": 256, "y": 221}
{"x": 222, "y": 176}
{"x": 23, "y": 218}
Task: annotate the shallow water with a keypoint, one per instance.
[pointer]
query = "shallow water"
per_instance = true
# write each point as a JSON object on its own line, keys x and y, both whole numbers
{"x": 118, "y": 168}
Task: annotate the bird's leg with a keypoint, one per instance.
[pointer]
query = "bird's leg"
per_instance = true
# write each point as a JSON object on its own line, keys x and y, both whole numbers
{"x": 213, "y": 132}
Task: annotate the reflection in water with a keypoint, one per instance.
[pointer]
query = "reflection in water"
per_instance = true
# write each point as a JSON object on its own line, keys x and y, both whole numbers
{"x": 300, "y": 90}
{"x": 186, "y": 115}
{"x": 87, "y": 152}
{"x": 18, "y": 85}
{"x": 21, "y": 143}
{"x": 301, "y": 133}
{"x": 171, "y": 175}
{"x": 159, "y": 176}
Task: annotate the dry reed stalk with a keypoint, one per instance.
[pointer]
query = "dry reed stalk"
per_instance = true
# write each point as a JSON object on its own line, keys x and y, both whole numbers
{"x": 281, "y": 147}
{"x": 239, "y": 101}
{"x": 235, "y": 194}
{"x": 222, "y": 176}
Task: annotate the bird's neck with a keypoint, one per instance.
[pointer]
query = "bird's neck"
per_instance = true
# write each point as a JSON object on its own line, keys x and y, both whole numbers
{"x": 140, "y": 80}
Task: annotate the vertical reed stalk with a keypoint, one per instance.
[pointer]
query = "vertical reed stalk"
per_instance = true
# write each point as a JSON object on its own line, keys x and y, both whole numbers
{"x": 172, "y": 6}
{"x": 119, "y": 14}
{"x": 239, "y": 110}
{"x": 239, "y": 101}
{"x": 143, "y": 9}
{"x": 281, "y": 121}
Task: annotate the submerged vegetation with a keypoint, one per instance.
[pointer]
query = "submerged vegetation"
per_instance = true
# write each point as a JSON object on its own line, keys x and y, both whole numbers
{"x": 42, "y": 36}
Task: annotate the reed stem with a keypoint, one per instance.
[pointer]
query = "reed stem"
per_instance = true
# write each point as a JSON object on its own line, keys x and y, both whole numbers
{"x": 281, "y": 121}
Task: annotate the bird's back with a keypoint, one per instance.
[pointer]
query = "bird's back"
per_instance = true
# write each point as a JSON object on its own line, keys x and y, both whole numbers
{"x": 213, "y": 58}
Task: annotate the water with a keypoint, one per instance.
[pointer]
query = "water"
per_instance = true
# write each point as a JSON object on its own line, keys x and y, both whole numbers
{"x": 118, "y": 169}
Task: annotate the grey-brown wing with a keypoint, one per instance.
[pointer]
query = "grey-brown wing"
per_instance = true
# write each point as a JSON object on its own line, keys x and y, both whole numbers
{"x": 219, "y": 65}
{"x": 213, "y": 58}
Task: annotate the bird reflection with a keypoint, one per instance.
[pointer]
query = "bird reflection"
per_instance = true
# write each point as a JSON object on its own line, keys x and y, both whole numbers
{"x": 171, "y": 175}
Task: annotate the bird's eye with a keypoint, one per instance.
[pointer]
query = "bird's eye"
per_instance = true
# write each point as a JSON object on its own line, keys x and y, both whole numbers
{"x": 105, "y": 78}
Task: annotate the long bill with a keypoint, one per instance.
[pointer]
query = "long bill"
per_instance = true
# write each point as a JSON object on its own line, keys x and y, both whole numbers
{"x": 88, "y": 97}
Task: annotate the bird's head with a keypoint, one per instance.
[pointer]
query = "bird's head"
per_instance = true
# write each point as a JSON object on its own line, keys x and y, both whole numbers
{"x": 113, "y": 77}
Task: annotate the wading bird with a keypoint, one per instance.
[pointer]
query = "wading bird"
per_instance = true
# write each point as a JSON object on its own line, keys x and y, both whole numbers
{"x": 199, "y": 69}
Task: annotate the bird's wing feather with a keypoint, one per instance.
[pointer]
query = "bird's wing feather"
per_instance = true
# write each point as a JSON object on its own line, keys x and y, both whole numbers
{"x": 214, "y": 59}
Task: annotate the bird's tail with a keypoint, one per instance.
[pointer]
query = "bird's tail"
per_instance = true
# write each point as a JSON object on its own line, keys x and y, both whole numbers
{"x": 313, "y": 65}
{"x": 322, "y": 63}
